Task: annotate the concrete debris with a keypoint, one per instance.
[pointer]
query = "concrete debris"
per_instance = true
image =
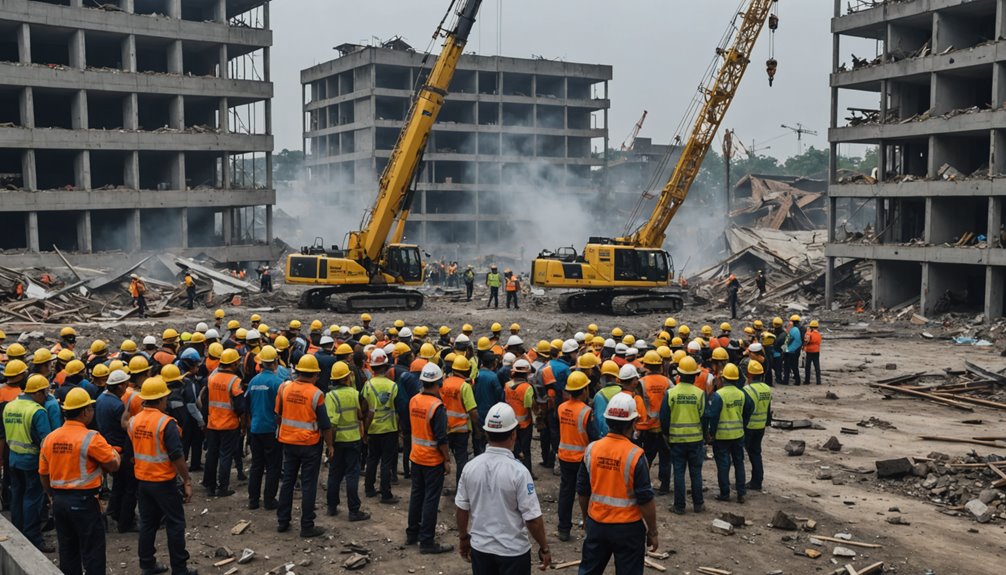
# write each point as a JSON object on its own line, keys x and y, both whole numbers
{"x": 722, "y": 527}
{"x": 843, "y": 552}
{"x": 831, "y": 395}
{"x": 898, "y": 520}
{"x": 832, "y": 444}
{"x": 246, "y": 556}
{"x": 812, "y": 553}
{"x": 810, "y": 525}
{"x": 876, "y": 422}
{"x": 784, "y": 521}
{"x": 893, "y": 468}
{"x": 976, "y": 507}
{"x": 795, "y": 447}
{"x": 733, "y": 519}
{"x": 356, "y": 561}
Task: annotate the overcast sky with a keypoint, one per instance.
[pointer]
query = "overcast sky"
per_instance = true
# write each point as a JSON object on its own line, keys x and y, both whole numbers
{"x": 659, "y": 50}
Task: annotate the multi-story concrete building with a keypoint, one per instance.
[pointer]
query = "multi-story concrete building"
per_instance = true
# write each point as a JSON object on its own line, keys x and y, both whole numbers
{"x": 940, "y": 130}
{"x": 511, "y": 130}
{"x": 135, "y": 125}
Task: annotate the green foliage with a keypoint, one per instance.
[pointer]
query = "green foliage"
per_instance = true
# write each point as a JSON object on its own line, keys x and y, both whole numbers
{"x": 287, "y": 165}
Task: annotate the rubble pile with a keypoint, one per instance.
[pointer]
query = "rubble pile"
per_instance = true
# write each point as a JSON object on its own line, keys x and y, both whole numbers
{"x": 962, "y": 390}
{"x": 780, "y": 203}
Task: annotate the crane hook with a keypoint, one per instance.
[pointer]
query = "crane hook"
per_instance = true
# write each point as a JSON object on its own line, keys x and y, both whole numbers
{"x": 771, "y": 66}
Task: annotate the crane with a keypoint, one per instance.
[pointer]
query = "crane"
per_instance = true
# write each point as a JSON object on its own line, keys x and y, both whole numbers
{"x": 624, "y": 274}
{"x": 799, "y": 130}
{"x": 368, "y": 272}
{"x": 630, "y": 141}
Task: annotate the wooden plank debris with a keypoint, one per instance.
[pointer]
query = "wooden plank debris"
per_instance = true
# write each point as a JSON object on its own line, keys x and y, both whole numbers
{"x": 943, "y": 400}
{"x": 852, "y": 543}
{"x": 961, "y": 440}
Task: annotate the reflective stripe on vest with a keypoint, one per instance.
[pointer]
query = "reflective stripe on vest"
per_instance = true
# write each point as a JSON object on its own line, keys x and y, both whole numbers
{"x": 457, "y": 417}
{"x": 425, "y": 450}
{"x": 514, "y": 394}
{"x": 610, "y": 464}
{"x": 83, "y": 477}
{"x": 573, "y": 441}
{"x": 344, "y": 404}
{"x": 731, "y": 423}
{"x": 384, "y": 420}
{"x": 146, "y": 431}
{"x": 761, "y": 395}
{"x": 655, "y": 386}
{"x": 17, "y": 418}
{"x": 221, "y": 413}
{"x": 298, "y": 420}
{"x": 686, "y": 403}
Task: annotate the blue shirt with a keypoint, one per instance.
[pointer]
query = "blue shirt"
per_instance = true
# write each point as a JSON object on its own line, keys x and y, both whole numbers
{"x": 39, "y": 429}
{"x": 261, "y": 396}
{"x": 794, "y": 341}
{"x": 488, "y": 392}
{"x": 600, "y": 405}
{"x": 560, "y": 369}
{"x": 54, "y": 412}
{"x": 283, "y": 372}
{"x": 108, "y": 416}
{"x": 409, "y": 386}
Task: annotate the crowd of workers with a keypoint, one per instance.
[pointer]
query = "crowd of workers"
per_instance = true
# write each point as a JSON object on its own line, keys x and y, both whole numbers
{"x": 137, "y": 417}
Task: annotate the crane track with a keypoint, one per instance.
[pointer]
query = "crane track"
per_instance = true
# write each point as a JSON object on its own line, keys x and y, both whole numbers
{"x": 618, "y": 302}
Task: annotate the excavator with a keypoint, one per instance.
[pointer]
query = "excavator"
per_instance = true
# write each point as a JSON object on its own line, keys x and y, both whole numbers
{"x": 370, "y": 271}
{"x": 632, "y": 274}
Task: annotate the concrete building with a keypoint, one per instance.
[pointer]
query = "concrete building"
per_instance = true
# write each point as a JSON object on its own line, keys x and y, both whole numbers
{"x": 940, "y": 128}
{"x": 511, "y": 130}
{"x": 135, "y": 125}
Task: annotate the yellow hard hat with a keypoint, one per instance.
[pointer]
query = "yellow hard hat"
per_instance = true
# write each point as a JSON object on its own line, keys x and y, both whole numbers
{"x": 219, "y": 314}
{"x": 426, "y": 351}
{"x": 813, "y": 323}
{"x": 229, "y": 356}
{"x": 116, "y": 365}
{"x": 14, "y": 367}
{"x": 339, "y": 370}
{"x": 294, "y": 324}
{"x": 730, "y": 372}
{"x": 67, "y": 331}
{"x": 629, "y": 340}
{"x": 186, "y": 336}
{"x": 391, "y": 330}
{"x": 334, "y": 329}
{"x": 677, "y": 342}
{"x": 467, "y": 328}
{"x": 597, "y": 340}
{"x": 461, "y": 363}
{"x": 777, "y": 321}
{"x": 316, "y": 325}
{"x": 720, "y": 354}
{"x": 768, "y": 337}
{"x": 42, "y": 355}
{"x": 670, "y": 323}
{"x": 3, "y": 336}
{"x": 36, "y": 382}
{"x": 617, "y": 332}
{"x": 592, "y": 328}
{"x": 449, "y": 358}
{"x": 98, "y": 346}
{"x": 77, "y": 398}
{"x": 555, "y": 344}
{"x": 65, "y": 355}
{"x": 758, "y": 324}
{"x": 366, "y": 340}
{"x": 755, "y": 367}
{"x": 609, "y": 368}
{"x": 749, "y": 330}
{"x": 678, "y": 355}
{"x": 707, "y": 331}
{"x": 399, "y": 324}
{"x": 241, "y": 334}
{"x": 484, "y": 344}
{"x": 268, "y": 354}
{"x": 170, "y": 373}
{"x": 402, "y": 348}
{"x": 514, "y": 327}
{"x": 355, "y": 330}
{"x": 684, "y": 331}
{"x": 496, "y": 327}
{"x": 365, "y": 317}
{"x": 421, "y": 331}
{"x": 256, "y": 317}
{"x": 664, "y": 352}
{"x": 700, "y": 341}
{"x": 687, "y": 366}
{"x": 154, "y": 388}
{"x": 794, "y": 318}
{"x": 308, "y": 364}
{"x": 16, "y": 350}
{"x": 587, "y": 361}
{"x": 169, "y": 335}
{"x": 128, "y": 346}
{"x": 215, "y": 350}
{"x": 233, "y": 324}
{"x": 344, "y": 349}
{"x": 651, "y": 357}
{"x": 444, "y": 330}
{"x": 543, "y": 347}
{"x": 74, "y": 367}
{"x": 664, "y": 335}
{"x": 198, "y": 338}
{"x": 100, "y": 370}
{"x": 725, "y": 326}
{"x": 281, "y": 343}
{"x": 577, "y": 381}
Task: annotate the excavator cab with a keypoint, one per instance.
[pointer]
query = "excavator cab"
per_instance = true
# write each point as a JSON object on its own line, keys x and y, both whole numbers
{"x": 404, "y": 261}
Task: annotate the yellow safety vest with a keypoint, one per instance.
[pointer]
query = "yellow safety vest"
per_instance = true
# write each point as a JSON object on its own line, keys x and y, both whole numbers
{"x": 761, "y": 394}
{"x": 17, "y": 418}
{"x": 731, "y": 424}
{"x": 686, "y": 403}
{"x": 380, "y": 394}
{"x": 342, "y": 404}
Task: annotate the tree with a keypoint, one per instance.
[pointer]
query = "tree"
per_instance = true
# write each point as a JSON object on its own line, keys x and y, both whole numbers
{"x": 287, "y": 165}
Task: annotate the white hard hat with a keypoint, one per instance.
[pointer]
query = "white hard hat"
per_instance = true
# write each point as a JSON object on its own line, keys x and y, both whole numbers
{"x": 640, "y": 345}
{"x": 252, "y": 334}
{"x": 404, "y": 332}
{"x": 461, "y": 339}
{"x": 522, "y": 366}
{"x": 631, "y": 351}
{"x": 579, "y": 336}
{"x": 201, "y": 327}
{"x": 622, "y": 407}
{"x": 149, "y": 340}
{"x": 755, "y": 347}
{"x": 694, "y": 346}
{"x": 117, "y": 377}
{"x": 389, "y": 349}
{"x": 212, "y": 334}
{"x": 431, "y": 372}
{"x": 500, "y": 418}
{"x": 610, "y": 343}
{"x": 513, "y": 340}
{"x": 621, "y": 348}
{"x": 344, "y": 330}
{"x": 326, "y": 340}
{"x": 378, "y": 357}
{"x": 369, "y": 348}
{"x": 627, "y": 371}
{"x": 509, "y": 358}
{"x": 570, "y": 346}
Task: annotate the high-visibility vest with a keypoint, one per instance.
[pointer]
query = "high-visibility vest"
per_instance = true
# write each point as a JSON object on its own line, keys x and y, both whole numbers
{"x": 686, "y": 403}
{"x": 514, "y": 393}
{"x": 702, "y": 381}
{"x": 610, "y": 391}
{"x": 611, "y": 464}
{"x": 131, "y": 400}
{"x": 731, "y": 424}
{"x": 547, "y": 379}
{"x": 813, "y": 341}
{"x": 220, "y": 390}
{"x": 296, "y": 403}
{"x": 511, "y": 284}
{"x": 642, "y": 421}
{"x": 212, "y": 364}
{"x": 655, "y": 386}
{"x": 17, "y": 418}
{"x": 188, "y": 281}
{"x": 497, "y": 350}
{"x": 65, "y": 452}
{"x": 573, "y": 438}
{"x": 458, "y": 420}
{"x": 761, "y": 395}
{"x": 9, "y": 393}
{"x": 424, "y": 443}
{"x": 136, "y": 288}
{"x": 342, "y": 404}
{"x": 146, "y": 431}
{"x": 380, "y": 393}
{"x": 493, "y": 280}
{"x": 164, "y": 357}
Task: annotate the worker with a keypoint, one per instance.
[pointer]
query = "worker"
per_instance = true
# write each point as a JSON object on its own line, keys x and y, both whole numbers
{"x": 138, "y": 291}
{"x": 760, "y": 283}
{"x": 459, "y": 400}
{"x": 728, "y": 415}
{"x": 655, "y": 385}
{"x": 345, "y": 411}
{"x": 25, "y": 426}
{"x": 303, "y": 423}
{"x": 224, "y": 398}
{"x": 812, "y": 349}
{"x": 493, "y": 282}
{"x": 67, "y": 340}
{"x": 110, "y": 414}
{"x": 265, "y": 279}
{"x": 609, "y": 388}
{"x": 628, "y": 379}
{"x": 733, "y": 287}
{"x": 168, "y": 352}
{"x": 616, "y": 498}
{"x": 430, "y": 460}
{"x": 157, "y": 448}
{"x": 189, "y": 282}
{"x": 780, "y": 343}
{"x": 488, "y": 391}
{"x": 681, "y": 421}
{"x": 772, "y": 357}
{"x": 760, "y": 395}
{"x": 75, "y": 377}
{"x": 70, "y": 464}
{"x": 497, "y": 505}
{"x": 791, "y": 351}
{"x": 218, "y": 319}
{"x": 519, "y": 395}
{"x": 194, "y": 428}
{"x": 469, "y": 277}
{"x": 267, "y": 458}
{"x": 577, "y": 429}
{"x": 381, "y": 424}
{"x": 512, "y": 289}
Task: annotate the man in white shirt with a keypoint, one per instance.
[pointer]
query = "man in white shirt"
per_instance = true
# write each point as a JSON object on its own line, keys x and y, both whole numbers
{"x": 497, "y": 505}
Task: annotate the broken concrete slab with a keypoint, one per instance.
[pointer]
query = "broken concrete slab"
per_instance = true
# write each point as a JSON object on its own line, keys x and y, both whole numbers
{"x": 893, "y": 468}
{"x": 976, "y": 507}
{"x": 795, "y": 447}
{"x": 843, "y": 552}
{"x": 733, "y": 519}
{"x": 832, "y": 444}
{"x": 722, "y": 527}
{"x": 784, "y": 521}
{"x": 898, "y": 520}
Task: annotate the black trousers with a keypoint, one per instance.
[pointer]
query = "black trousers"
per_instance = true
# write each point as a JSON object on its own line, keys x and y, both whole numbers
{"x": 190, "y": 295}
{"x": 220, "y": 447}
{"x": 267, "y": 460}
{"x": 458, "y": 443}
{"x": 80, "y": 531}
{"x": 122, "y": 501}
{"x": 494, "y": 296}
{"x": 345, "y": 465}
{"x": 567, "y": 493}
{"x": 427, "y": 483}
{"x": 141, "y": 304}
{"x": 161, "y": 501}
{"x": 303, "y": 461}
{"x": 752, "y": 443}
{"x": 406, "y": 428}
{"x": 813, "y": 358}
{"x": 626, "y": 541}
{"x": 655, "y": 444}
{"x": 791, "y": 364}
{"x": 192, "y": 444}
{"x": 522, "y": 447}
{"x": 511, "y": 296}
{"x": 488, "y": 564}
{"x": 469, "y": 288}
{"x": 384, "y": 451}
{"x": 733, "y": 304}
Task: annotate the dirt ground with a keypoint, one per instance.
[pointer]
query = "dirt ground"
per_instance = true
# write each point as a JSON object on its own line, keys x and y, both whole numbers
{"x": 851, "y": 503}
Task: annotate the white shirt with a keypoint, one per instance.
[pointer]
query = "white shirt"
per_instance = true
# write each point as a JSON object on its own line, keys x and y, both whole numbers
{"x": 499, "y": 492}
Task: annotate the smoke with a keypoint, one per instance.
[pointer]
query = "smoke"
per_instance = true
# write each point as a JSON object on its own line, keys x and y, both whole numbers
{"x": 324, "y": 207}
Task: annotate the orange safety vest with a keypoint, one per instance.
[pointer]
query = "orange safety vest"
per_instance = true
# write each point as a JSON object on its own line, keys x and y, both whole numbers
{"x": 60, "y": 378}
{"x": 511, "y": 284}
{"x": 724, "y": 341}
{"x": 457, "y": 415}
{"x": 296, "y": 403}
{"x": 611, "y": 463}
{"x": 701, "y": 379}
{"x": 514, "y": 393}
{"x": 221, "y": 387}
{"x": 497, "y": 349}
{"x": 131, "y": 399}
{"x": 64, "y": 455}
{"x": 136, "y": 288}
{"x": 164, "y": 357}
{"x": 424, "y": 445}
{"x": 212, "y": 364}
{"x": 655, "y": 386}
{"x": 547, "y": 379}
{"x": 813, "y": 344}
{"x": 619, "y": 361}
{"x": 146, "y": 431}
{"x": 9, "y": 393}
{"x": 643, "y": 421}
{"x": 573, "y": 438}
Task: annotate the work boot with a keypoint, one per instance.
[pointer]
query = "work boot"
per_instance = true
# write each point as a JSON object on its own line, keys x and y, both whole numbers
{"x": 157, "y": 569}
{"x": 333, "y": 511}
{"x": 47, "y": 547}
{"x": 699, "y": 508}
{"x": 663, "y": 489}
{"x": 282, "y": 527}
{"x": 253, "y": 504}
{"x": 753, "y": 487}
{"x": 564, "y": 535}
{"x": 740, "y": 499}
{"x": 435, "y": 549}
{"x": 677, "y": 510}
{"x": 393, "y": 500}
{"x": 358, "y": 515}
{"x": 721, "y": 497}
{"x": 312, "y": 532}
{"x": 222, "y": 492}
{"x": 369, "y": 494}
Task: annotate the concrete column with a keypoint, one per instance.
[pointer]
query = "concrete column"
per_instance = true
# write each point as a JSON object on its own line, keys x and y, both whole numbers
{"x": 995, "y": 281}
{"x": 82, "y": 170}
{"x": 175, "y": 9}
{"x": 228, "y": 220}
{"x": 24, "y": 43}
{"x": 176, "y": 112}
{"x": 78, "y": 58}
{"x": 29, "y": 181}
{"x": 224, "y": 70}
{"x": 927, "y": 300}
{"x": 927, "y": 234}
{"x": 225, "y": 171}
{"x": 183, "y": 221}
{"x": 995, "y": 221}
{"x": 829, "y": 281}
{"x": 175, "y": 57}
{"x": 131, "y": 112}
{"x": 32, "y": 224}
{"x": 220, "y": 11}
{"x": 131, "y": 170}
{"x": 27, "y": 105}
{"x": 127, "y": 6}
{"x": 77, "y": 3}
{"x": 135, "y": 241}
{"x": 129, "y": 53}
{"x": 268, "y": 225}
{"x": 224, "y": 116}
{"x": 876, "y": 301}
{"x": 178, "y": 171}
{"x": 84, "y": 232}
{"x": 78, "y": 110}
